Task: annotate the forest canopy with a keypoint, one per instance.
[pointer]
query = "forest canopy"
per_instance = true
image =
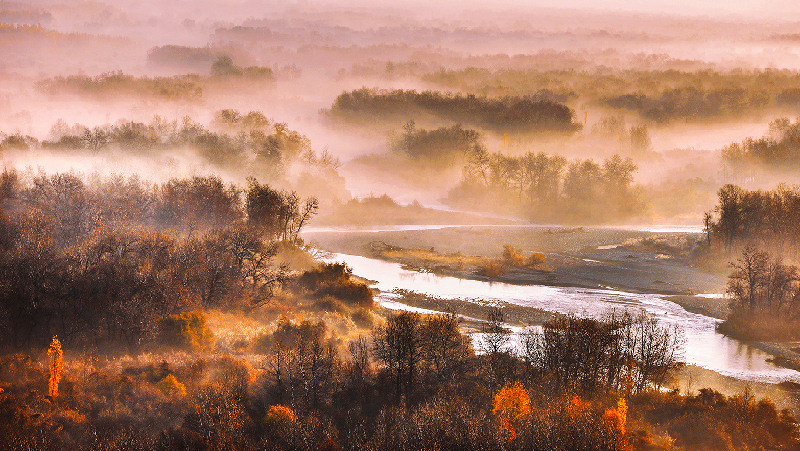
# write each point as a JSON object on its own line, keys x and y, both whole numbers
{"x": 522, "y": 114}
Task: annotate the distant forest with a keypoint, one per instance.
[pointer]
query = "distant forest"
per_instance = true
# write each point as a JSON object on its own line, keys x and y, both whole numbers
{"x": 506, "y": 114}
{"x": 544, "y": 188}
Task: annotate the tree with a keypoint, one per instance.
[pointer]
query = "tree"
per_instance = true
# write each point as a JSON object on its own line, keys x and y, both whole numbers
{"x": 224, "y": 67}
{"x": 494, "y": 344}
{"x": 494, "y": 334}
{"x": 56, "y": 366}
{"x": 397, "y": 346}
{"x": 277, "y": 214}
{"x": 445, "y": 349}
{"x": 748, "y": 277}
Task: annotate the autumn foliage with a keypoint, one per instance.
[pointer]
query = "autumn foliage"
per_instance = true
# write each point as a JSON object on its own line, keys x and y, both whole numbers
{"x": 511, "y": 404}
{"x": 278, "y": 414}
{"x": 616, "y": 419}
{"x": 56, "y": 366}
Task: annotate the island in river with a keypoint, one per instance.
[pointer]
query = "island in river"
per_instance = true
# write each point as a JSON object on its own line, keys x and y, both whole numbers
{"x": 639, "y": 261}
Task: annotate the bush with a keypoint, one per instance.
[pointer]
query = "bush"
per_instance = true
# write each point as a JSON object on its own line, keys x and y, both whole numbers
{"x": 512, "y": 256}
{"x": 279, "y": 415}
{"x": 187, "y": 330}
{"x": 746, "y": 325}
{"x": 333, "y": 280}
{"x": 492, "y": 269}
{"x": 171, "y": 387}
{"x": 535, "y": 258}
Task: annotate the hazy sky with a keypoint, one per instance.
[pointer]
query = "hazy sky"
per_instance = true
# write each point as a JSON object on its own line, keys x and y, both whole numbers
{"x": 777, "y": 9}
{"x": 774, "y": 8}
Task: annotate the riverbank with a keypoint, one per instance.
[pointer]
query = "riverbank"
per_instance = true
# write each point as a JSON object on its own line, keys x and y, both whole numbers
{"x": 625, "y": 260}
{"x": 715, "y": 307}
{"x": 691, "y": 378}
{"x": 475, "y": 311}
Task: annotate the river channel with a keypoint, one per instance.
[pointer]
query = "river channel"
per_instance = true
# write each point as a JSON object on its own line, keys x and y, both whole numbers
{"x": 703, "y": 346}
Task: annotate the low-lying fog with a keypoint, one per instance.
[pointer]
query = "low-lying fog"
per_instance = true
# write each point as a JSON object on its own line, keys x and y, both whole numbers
{"x": 708, "y": 77}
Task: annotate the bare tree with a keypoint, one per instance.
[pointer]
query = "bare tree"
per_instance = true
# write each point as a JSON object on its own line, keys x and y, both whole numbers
{"x": 397, "y": 345}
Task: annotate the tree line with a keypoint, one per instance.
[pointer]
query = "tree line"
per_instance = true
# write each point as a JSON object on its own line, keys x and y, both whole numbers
{"x": 235, "y": 140}
{"x": 187, "y": 87}
{"x": 102, "y": 260}
{"x": 777, "y": 151}
{"x": 506, "y": 114}
{"x": 690, "y": 103}
{"x": 768, "y": 219}
{"x": 113, "y": 84}
{"x": 542, "y": 187}
{"x": 655, "y": 95}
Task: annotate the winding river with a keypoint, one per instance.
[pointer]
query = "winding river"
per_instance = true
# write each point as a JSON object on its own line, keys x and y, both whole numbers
{"x": 703, "y": 346}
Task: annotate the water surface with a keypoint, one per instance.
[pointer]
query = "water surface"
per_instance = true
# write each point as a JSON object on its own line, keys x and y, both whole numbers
{"x": 703, "y": 346}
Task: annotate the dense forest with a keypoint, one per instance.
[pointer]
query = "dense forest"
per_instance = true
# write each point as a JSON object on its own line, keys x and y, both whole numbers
{"x": 507, "y": 114}
{"x": 659, "y": 96}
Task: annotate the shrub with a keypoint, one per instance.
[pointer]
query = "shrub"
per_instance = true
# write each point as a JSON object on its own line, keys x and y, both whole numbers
{"x": 171, "y": 387}
{"x": 329, "y": 304}
{"x": 492, "y": 269}
{"x": 187, "y": 330}
{"x": 280, "y": 415}
{"x": 535, "y": 258}
{"x": 512, "y": 256}
{"x": 333, "y": 279}
{"x": 56, "y": 366}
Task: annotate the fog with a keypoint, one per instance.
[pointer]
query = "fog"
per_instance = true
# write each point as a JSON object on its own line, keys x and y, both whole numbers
{"x": 174, "y": 174}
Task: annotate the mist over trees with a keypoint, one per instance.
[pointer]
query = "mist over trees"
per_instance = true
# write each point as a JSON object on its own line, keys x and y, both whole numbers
{"x": 765, "y": 218}
{"x": 179, "y": 307}
{"x": 508, "y": 114}
{"x": 657, "y": 96}
{"x": 100, "y": 261}
{"x": 776, "y": 152}
{"x": 545, "y": 188}
{"x": 244, "y": 145}
{"x": 441, "y": 147}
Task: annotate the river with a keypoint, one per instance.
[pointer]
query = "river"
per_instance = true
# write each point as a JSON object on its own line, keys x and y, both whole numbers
{"x": 703, "y": 346}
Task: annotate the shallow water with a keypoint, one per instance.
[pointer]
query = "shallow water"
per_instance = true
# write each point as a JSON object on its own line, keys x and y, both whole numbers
{"x": 703, "y": 346}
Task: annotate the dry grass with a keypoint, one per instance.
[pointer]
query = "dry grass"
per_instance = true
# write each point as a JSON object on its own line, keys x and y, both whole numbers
{"x": 431, "y": 257}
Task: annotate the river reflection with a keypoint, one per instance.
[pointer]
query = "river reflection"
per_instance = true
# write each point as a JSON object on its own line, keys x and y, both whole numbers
{"x": 703, "y": 347}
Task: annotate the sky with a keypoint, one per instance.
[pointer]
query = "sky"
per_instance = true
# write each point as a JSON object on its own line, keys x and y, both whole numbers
{"x": 756, "y": 9}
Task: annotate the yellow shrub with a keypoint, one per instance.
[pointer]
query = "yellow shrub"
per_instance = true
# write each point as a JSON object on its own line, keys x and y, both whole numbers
{"x": 280, "y": 414}
{"x": 187, "y": 330}
{"x": 511, "y": 403}
{"x": 536, "y": 258}
{"x": 577, "y": 406}
{"x": 512, "y": 256}
{"x": 170, "y": 386}
{"x": 615, "y": 420}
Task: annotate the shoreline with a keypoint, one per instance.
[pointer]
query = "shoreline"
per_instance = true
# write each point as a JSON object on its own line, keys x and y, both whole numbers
{"x": 634, "y": 261}
{"x": 608, "y": 259}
